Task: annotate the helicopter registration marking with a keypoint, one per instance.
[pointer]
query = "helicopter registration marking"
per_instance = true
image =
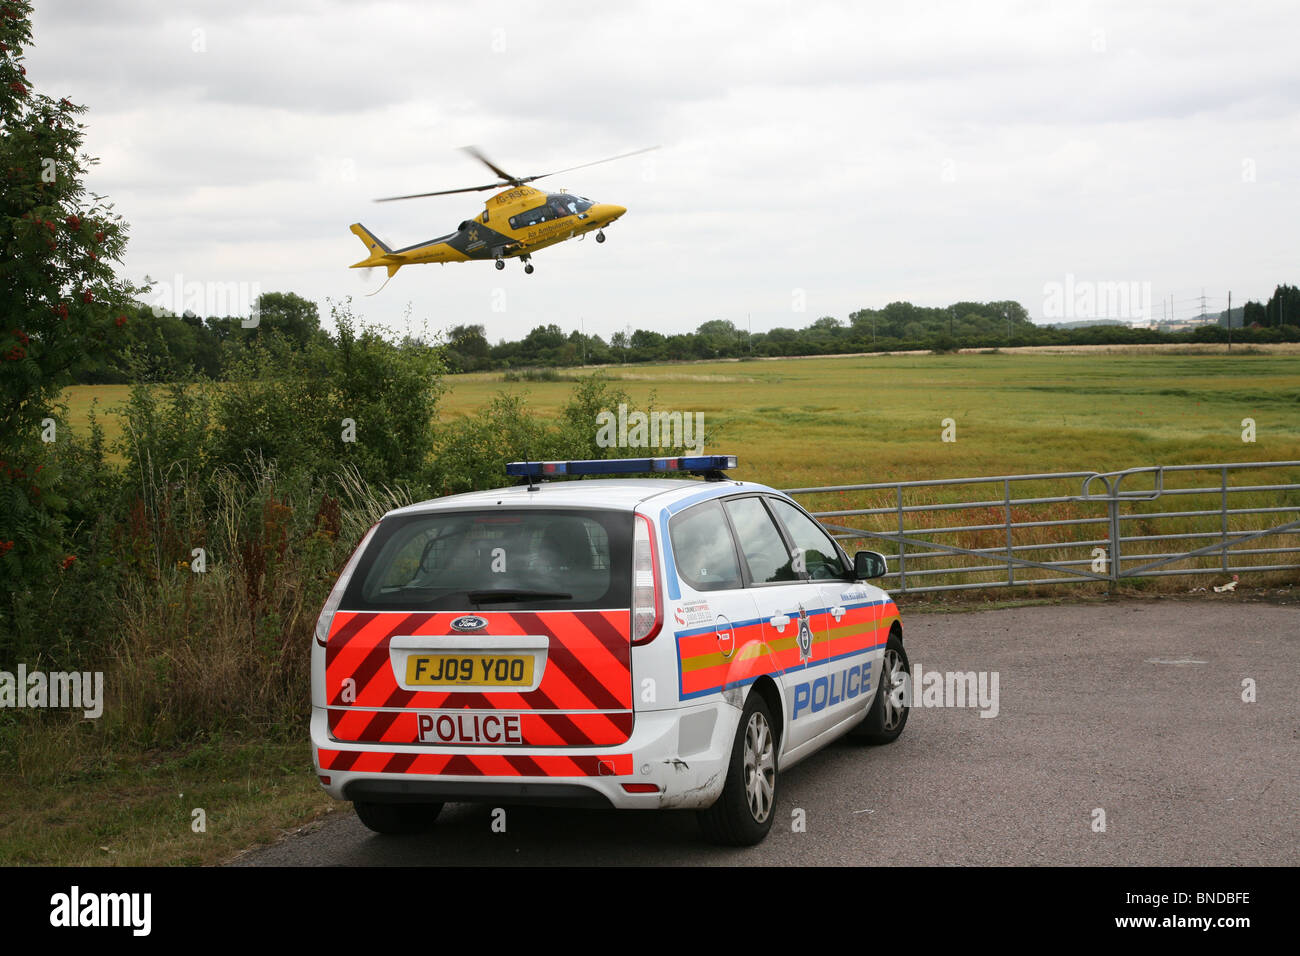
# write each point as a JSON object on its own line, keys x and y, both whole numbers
{"x": 513, "y": 195}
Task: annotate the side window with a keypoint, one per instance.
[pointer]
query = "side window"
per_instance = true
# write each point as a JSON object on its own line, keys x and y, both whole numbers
{"x": 531, "y": 217}
{"x": 821, "y": 557}
{"x": 760, "y": 542}
{"x": 703, "y": 549}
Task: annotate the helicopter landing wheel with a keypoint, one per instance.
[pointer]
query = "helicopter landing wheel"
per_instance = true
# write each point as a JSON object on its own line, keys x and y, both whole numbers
{"x": 600, "y": 236}
{"x": 501, "y": 263}
{"x": 528, "y": 268}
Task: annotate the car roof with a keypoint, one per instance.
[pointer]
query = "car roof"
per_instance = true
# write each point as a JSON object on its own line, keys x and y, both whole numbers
{"x": 618, "y": 494}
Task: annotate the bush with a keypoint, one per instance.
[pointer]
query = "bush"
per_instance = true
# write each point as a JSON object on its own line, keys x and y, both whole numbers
{"x": 358, "y": 399}
{"x": 472, "y": 452}
{"x": 943, "y": 343}
{"x": 56, "y": 614}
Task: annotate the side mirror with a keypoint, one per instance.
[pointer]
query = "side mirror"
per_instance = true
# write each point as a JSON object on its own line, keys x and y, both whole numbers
{"x": 868, "y": 565}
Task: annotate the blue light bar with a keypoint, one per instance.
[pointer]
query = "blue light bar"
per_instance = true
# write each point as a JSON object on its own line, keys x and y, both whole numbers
{"x": 697, "y": 464}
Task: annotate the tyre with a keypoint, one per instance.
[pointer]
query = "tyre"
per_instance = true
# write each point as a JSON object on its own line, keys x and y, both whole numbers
{"x": 397, "y": 818}
{"x": 744, "y": 812}
{"x": 889, "y": 710}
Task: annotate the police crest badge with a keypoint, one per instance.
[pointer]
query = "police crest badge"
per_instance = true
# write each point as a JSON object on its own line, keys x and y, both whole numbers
{"x": 805, "y": 636}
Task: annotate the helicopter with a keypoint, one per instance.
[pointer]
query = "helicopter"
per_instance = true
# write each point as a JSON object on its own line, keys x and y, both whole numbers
{"x": 515, "y": 223}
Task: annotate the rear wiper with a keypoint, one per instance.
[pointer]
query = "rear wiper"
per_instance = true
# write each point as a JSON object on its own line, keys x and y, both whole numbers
{"x": 498, "y": 595}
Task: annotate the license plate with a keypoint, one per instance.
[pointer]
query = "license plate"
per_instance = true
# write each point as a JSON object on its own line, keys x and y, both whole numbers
{"x": 476, "y": 670}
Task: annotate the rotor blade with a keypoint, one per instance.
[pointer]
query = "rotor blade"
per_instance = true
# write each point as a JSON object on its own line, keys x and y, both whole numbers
{"x": 635, "y": 152}
{"x": 507, "y": 179}
{"x": 478, "y": 154}
{"x": 445, "y": 192}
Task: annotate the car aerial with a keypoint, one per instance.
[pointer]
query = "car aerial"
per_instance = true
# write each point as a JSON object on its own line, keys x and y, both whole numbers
{"x": 639, "y": 643}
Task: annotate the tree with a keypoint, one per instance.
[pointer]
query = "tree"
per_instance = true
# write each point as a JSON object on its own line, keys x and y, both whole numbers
{"x": 294, "y": 317}
{"x": 467, "y": 348}
{"x": 1283, "y": 306}
{"x": 1254, "y": 313}
{"x": 717, "y": 337}
{"x": 540, "y": 344}
{"x": 62, "y": 303}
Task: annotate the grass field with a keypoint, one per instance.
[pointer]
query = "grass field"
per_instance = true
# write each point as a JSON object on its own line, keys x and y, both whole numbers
{"x": 796, "y": 423}
{"x": 867, "y": 419}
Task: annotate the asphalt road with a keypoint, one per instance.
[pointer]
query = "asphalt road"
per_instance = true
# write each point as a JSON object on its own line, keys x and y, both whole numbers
{"x": 1133, "y": 708}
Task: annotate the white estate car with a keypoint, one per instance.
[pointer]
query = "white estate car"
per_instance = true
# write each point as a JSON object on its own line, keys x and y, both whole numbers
{"x": 634, "y": 643}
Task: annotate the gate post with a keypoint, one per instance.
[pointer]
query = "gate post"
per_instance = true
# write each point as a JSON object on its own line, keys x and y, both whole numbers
{"x": 1006, "y": 499}
{"x": 1112, "y": 508}
{"x": 902, "y": 547}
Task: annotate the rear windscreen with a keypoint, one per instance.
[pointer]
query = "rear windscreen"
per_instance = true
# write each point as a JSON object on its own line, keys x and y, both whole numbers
{"x": 506, "y": 560}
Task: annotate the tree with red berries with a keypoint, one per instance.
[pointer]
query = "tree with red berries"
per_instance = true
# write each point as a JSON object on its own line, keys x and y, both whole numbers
{"x": 60, "y": 301}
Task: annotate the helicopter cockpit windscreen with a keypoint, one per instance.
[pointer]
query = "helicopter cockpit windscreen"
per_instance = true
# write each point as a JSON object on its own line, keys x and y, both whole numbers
{"x": 565, "y": 204}
{"x": 558, "y": 205}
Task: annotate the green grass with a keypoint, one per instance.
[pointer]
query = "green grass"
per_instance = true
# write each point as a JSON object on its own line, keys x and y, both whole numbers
{"x": 70, "y": 800}
{"x": 822, "y": 421}
{"x": 797, "y": 423}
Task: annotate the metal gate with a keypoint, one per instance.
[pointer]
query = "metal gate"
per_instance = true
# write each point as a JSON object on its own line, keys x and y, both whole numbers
{"x": 1107, "y": 530}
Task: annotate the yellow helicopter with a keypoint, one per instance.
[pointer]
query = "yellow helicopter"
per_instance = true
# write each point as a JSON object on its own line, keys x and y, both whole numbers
{"x": 515, "y": 223}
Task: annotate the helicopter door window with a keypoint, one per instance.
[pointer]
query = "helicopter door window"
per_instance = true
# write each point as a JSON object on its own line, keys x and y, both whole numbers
{"x": 484, "y": 217}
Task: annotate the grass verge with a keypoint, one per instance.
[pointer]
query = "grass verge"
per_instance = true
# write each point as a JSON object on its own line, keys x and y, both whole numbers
{"x": 71, "y": 800}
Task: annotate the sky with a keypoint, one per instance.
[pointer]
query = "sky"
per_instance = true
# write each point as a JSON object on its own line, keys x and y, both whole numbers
{"x": 1088, "y": 160}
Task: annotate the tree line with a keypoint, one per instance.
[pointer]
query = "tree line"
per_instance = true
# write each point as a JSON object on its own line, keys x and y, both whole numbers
{"x": 159, "y": 345}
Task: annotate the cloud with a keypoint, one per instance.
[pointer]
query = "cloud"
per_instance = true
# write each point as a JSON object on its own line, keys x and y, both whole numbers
{"x": 928, "y": 151}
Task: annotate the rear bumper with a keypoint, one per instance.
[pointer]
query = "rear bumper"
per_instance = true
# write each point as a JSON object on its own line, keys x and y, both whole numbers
{"x": 683, "y": 752}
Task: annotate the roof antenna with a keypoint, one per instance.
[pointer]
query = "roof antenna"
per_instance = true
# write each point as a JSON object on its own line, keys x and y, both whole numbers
{"x": 528, "y": 472}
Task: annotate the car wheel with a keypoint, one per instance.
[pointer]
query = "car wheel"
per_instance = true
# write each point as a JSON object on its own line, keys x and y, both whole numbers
{"x": 397, "y": 818}
{"x": 889, "y": 710}
{"x": 743, "y": 814}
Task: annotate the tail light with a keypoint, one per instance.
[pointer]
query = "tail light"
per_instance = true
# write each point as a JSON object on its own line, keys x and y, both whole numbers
{"x": 647, "y": 602}
{"x": 336, "y": 594}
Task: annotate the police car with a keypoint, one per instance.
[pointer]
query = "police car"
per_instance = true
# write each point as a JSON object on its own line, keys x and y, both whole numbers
{"x": 639, "y": 643}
